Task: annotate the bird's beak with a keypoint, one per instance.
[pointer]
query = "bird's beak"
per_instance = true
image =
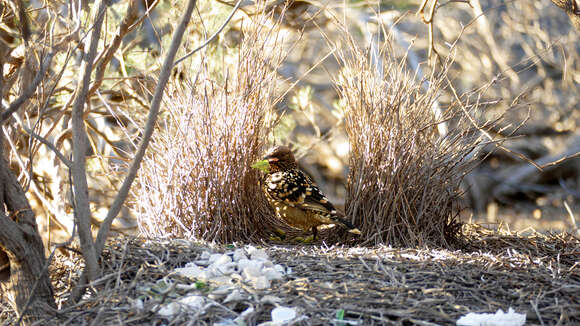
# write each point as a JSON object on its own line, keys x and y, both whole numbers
{"x": 270, "y": 159}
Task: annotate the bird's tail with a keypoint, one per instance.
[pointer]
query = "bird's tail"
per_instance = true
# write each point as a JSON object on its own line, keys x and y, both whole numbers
{"x": 341, "y": 219}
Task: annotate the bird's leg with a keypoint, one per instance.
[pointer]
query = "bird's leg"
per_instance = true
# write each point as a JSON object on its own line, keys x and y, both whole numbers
{"x": 314, "y": 233}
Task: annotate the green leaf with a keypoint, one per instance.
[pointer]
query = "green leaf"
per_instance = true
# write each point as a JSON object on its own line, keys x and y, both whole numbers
{"x": 262, "y": 165}
{"x": 340, "y": 314}
{"x": 200, "y": 285}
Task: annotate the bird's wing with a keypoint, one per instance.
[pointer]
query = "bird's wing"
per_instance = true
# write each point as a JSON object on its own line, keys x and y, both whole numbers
{"x": 296, "y": 189}
{"x": 315, "y": 200}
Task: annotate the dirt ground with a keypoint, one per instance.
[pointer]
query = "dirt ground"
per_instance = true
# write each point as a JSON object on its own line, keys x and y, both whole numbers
{"x": 537, "y": 275}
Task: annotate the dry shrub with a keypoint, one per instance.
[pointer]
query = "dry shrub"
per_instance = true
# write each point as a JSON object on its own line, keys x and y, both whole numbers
{"x": 404, "y": 179}
{"x": 197, "y": 181}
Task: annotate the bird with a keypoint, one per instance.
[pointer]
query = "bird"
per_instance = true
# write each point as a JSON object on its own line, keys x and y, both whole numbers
{"x": 295, "y": 198}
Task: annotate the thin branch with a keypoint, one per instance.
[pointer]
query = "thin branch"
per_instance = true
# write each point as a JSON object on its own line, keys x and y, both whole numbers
{"x": 50, "y": 145}
{"x": 15, "y": 105}
{"x": 129, "y": 23}
{"x": 519, "y": 174}
{"x": 81, "y": 191}
{"x": 148, "y": 132}
{"x": 211, "y": 37}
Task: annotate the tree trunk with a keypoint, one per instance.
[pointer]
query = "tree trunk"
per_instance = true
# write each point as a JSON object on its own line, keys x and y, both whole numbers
{"x": 24, "y": 280}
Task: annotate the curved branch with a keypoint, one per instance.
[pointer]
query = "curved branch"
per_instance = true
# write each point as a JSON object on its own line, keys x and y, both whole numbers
{"x": 211, "y": 38}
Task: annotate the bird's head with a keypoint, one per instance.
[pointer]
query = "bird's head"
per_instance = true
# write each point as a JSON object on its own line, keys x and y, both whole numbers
{"x": 280, "y": 158}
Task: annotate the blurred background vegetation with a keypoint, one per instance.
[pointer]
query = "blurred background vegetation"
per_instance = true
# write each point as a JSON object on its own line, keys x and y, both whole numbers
{"x": 520, "y": 61}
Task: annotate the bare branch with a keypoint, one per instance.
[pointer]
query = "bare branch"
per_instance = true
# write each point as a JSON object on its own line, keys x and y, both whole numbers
{"x": 15, "y": 105}
{"x": 128, "y": 24}
{"x": 519, "y": 174}
{"x": 50, "y": 145}
{"x": 78, "y": 171}
{"x": 209, "y": 40}
{"x": 148, "y": 132}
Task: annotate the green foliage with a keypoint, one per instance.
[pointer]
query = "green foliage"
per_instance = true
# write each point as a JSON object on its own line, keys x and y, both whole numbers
{"x": 262, "y": 165}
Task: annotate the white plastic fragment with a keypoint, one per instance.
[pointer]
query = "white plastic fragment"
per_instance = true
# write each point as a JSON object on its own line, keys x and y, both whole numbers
{"x": 253, "y": 270}
{"x": 221, "y": 272}
{"x": 136, "y": 303}
{"x": 195, "y": 302}
{"x": 234, "y": 296}
{"x": 257, "y": 253}
{"x": 260, "y": 282}
{"x": 239, "y": 254}
{"x": 500, "y": 318}
{"x": 270, "y": 299}
{"x": 190, "y": 270}
{"x": 283, "y": 314}
{"x": 169, "y": 309}
{"x": 272, "y": 274}
{"x": 227, "y": 268}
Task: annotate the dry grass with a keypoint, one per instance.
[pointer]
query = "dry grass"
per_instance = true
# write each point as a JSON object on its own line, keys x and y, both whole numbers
{"x": 197, "y": 181}
{"x": 374, "y": 286}
{"x": 404, "y": 178}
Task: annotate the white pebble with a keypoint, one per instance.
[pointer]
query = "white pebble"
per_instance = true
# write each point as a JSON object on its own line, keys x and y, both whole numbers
{"x": 243, "y": 263}
{"x": 500, "y": 318}
{"x": 225, "y": 280}
{"x": 168, "y": 310}
{"x": 239, "y": 254}
{"x": 270, "y": 299}
{"x": 272, "y": 274}
{"x": 268, "y": 263}
{"x": 226, "y": 269}
{"x": 218, "y": 259}
{"x": 205, "y": 275}
{"x": 253, "y": 270}
{"x": 280, "y": 269}
{"x": 283, "y": 314}
{"x": 193, "y": 302}
{"x": 234, "y": 296}
{"x": 259, "y": 254}
{"x": 190, "y": 270}
{"x": 260, "y": 282}
{"x": 247, "y": 312}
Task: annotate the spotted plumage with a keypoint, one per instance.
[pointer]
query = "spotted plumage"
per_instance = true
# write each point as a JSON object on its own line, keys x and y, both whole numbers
{"x": 295, "y": 198}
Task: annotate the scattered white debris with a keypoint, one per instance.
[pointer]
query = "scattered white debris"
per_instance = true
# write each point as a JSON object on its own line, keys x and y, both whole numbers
{"x": 190, "y": 270}
{"x": 192, "y": 302}
{"x": 220, "y": 273}
{"x": 270, "y": 299}
{"x": 258, "y": 271}
{"x": 136, "y": 303}
{"x": 234, "y": 296}
{"x": 283, "y": 314}
{"x": 500, "y": 318}
{"x": 168, "y": 310}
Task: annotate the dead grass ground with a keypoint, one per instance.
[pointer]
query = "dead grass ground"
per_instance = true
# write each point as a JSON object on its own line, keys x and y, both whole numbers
{"x": 535, "y": 274}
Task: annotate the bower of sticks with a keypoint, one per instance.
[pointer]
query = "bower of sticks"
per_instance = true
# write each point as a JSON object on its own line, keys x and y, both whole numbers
{"x": 535, "y": 274}
{"x": 448, "y": 133}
